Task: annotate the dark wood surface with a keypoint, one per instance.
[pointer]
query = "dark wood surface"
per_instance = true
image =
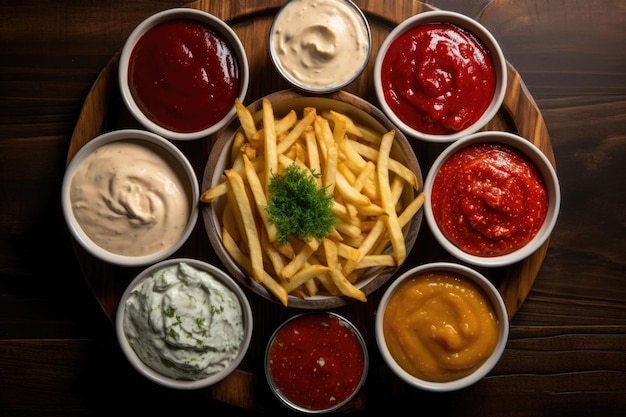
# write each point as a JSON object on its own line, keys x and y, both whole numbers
{"x": 566, "y": 353}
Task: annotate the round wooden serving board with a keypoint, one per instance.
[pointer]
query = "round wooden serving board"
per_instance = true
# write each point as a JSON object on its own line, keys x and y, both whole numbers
{"x": 104, "y": 110}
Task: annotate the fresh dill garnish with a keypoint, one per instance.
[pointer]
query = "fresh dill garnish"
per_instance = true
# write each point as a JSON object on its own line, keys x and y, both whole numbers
{"x": 297, "y": 206}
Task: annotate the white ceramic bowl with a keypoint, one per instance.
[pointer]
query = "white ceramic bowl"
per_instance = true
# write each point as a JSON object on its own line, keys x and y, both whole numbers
{"x": 284, "y": 101}
{"x": 499, "y": 309}
{"x": 171, "y": 158}
{"x": 541, "y": 162}
{"x": 321, "y": 37}
{"x": 324, "y": 348}
{"x": 181, "y": 382}
{"x": 203, "y": 18}
{"x": 469, "y": 25}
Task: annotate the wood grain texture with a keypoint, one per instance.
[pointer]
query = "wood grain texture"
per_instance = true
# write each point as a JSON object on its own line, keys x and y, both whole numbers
{"x": 565, "y": 356}
{"x": 103, "y": 111}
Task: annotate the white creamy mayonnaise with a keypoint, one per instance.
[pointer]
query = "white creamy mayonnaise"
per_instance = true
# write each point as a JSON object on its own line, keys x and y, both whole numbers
{"x": 129, "y": 200}
{"x": 320, "y": 43}
{"x": 184, "y": 323}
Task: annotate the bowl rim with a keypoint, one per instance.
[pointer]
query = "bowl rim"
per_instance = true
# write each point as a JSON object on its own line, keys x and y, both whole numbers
{"x": 212, "y": 174}
{"x": 496, "y": 301}
{"x": 474, "y": 27}
{"x": 344, "y": 321}
{"x": 547, "y": 171}
{"x": 331, "y": 88}
{"x": 164, "y": 380}
{"x": 128, "y": 135}
{"x": 173, "y": 14}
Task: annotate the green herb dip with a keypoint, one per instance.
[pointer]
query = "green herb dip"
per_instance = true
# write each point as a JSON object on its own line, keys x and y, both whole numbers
{"x": 184, "y": 323}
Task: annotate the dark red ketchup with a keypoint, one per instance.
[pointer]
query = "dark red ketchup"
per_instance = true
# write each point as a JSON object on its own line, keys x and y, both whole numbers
{"x": 489, "y": 200}
{"x": 316, "y": 361}
{"x": 183, "y": 75}
{"x": 438, "y": 78}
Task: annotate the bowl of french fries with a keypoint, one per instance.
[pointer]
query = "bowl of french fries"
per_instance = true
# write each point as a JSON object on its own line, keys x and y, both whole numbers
{"x": 312, "y": 201}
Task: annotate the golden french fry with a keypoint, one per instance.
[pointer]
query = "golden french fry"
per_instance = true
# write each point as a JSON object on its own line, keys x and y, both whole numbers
{"x": 303, "y": 275}
{"x": 259, "y": 198}
{"x": 214, "y": 192}
{"x": 330, "y": 169}
{"x": 295, "y": 133}
{"x": 393, "y": 165}
{"x": 240, "y": 258}
{"x": 254, "y": 244}
{"x": 349, "y": 193}
{"x": 280, "y": 127}
{"x": 372, "y": 261}
{"x": 345, "y": 286}
{"x": 245, "y": 119}
{"x": 269, "y": 142}
{"x": 411, "y": 209}
{"x": 394, "y": 230}
{"x": 296, "y": 263}
{"x": 313, "y": 154}
{"x": 350, "y": 127}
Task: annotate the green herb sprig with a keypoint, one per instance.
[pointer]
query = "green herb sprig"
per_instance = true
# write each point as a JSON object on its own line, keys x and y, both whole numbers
{"x": 297, "y": 206}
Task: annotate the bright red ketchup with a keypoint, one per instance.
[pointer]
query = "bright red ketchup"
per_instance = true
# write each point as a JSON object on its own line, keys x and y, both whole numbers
{"x": 316, "y": 361}
{"x": 489, "y": 200}
{"x": 438, "y": 78}
{"x": 184, "y": 76}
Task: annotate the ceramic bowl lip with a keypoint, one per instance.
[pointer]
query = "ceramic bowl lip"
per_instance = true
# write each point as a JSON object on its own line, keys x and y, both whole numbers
{"x": 131, "y": 135}
{"x": 345, "y": 322}
{"x": 468, "y": 24}
{"x": 545, "y": 169}
{"x": 155, "y": 376}
{"x": 498, "y": 305}
{"x": 212, "y": 175}
{"x": 173, "y": 14}
{"x": 331, "y": 88}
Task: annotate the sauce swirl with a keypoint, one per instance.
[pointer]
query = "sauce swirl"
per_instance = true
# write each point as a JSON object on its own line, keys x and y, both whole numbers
{"x": 489, "y": 200}
{"x": 438, "y": 78}
{"x": 129, "y": 200}
{"x": 320, "y": 43}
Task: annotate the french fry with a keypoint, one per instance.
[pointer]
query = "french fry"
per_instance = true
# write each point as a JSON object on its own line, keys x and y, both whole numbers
{"x": 346, "y": 287}
{"x": 214, "y": 192}
{"x": 260, "y": 199}
{"x": 269, "y": 143}
{"x": 305, "y": 274}
{"x": 254, "y": 244}
{"x": 240, "y": 258}
{"x": 394, "y": 230}
{"x": 245, "y": 119}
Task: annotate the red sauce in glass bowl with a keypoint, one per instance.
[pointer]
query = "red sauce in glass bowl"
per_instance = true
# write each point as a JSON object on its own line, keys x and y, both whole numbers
{"x": 316, "y": 361}
{"x": 183, "y": 75}
{"x": 489, "y": 200}
{"x": 438, "y": 78}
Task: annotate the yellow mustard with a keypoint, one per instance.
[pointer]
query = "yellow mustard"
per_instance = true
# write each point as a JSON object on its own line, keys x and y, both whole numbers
{"x": 440, "y": 326}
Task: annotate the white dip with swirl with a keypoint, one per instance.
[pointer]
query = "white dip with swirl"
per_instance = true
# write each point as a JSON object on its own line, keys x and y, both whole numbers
{"x": 184, "y": 323}
{"x": 129, "y": 200}
{"x": 320, "y": 43}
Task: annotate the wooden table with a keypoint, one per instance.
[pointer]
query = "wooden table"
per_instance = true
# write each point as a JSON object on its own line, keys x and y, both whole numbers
{"x": 566, "y": 352}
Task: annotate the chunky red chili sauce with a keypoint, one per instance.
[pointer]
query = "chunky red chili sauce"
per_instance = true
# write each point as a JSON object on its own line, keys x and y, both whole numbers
{"x": 316, "y": 361}
{"x": 489, "y": 200}
{"x": 183, "y": 75}
{"x": 438, "y": 78}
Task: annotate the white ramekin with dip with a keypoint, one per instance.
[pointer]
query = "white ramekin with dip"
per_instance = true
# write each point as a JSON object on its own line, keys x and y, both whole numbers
{"x": 320, "y": 46}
